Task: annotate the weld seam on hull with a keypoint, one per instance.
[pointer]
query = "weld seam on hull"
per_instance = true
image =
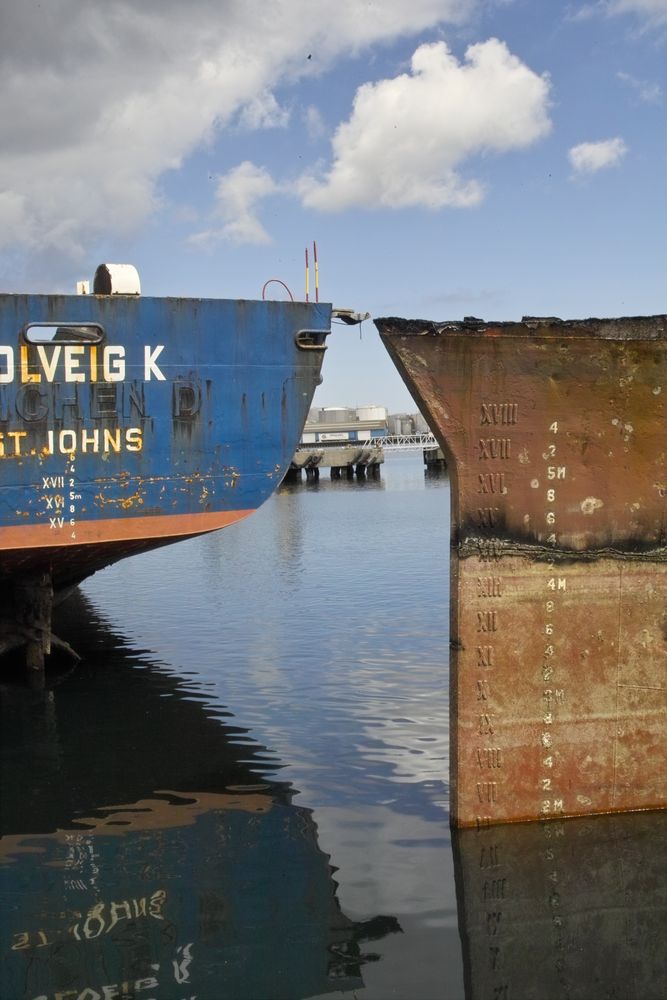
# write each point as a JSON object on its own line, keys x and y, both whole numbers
{"x": 501, "y": 548}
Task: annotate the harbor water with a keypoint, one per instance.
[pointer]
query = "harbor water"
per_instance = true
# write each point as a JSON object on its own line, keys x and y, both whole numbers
{"x": 242, "y": 790}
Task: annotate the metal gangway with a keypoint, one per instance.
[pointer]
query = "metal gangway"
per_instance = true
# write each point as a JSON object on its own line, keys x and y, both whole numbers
{"x": 404, "y": 442}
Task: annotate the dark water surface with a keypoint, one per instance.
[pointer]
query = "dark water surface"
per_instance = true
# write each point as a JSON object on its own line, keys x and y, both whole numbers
{"x": 241, "y": 793}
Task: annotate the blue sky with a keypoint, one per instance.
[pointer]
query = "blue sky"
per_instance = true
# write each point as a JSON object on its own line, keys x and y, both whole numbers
{"x": 450, "y": 157}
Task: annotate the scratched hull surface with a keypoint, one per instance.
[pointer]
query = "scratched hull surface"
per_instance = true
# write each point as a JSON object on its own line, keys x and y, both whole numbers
{"x": 127, "y": 422}
{"x": 555, "y": 436}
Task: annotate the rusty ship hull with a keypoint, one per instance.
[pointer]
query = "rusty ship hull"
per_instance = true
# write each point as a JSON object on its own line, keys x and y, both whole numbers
{"x": 129, "y": 422}
{"x": 555, "y": 433}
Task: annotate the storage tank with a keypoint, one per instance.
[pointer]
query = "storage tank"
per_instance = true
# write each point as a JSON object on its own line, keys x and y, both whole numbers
{"x": 337, "y": 415}
{"x": 372, "y": 413}
{"x": 400, "y": 423}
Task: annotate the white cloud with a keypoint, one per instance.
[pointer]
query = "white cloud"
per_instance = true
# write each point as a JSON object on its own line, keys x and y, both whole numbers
{"x": 314, "y": 123}
{"x": 589, "y": 157}
{"x": 14, "y": 216}
{"x": 407, "y": 137}
{"x": 651, "y": 13}
{"x": 237, "y": 196}
{"x": 264, "y": 111}
{"x": 98, "y": 100}
{"x": 646, "y": 91}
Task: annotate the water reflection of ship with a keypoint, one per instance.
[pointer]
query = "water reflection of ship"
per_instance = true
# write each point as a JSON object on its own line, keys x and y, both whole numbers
{"x": 574, "y": 908}
{"x": 155, "y": 855}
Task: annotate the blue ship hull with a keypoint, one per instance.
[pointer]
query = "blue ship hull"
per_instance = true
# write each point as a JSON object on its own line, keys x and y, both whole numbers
{"x": 129, "y": 422}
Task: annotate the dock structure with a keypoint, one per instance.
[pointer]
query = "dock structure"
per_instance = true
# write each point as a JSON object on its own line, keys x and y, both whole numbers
{"x": 343, "y": 461}
{"x": 353, "y": 441}
{"x": 363, "y": 457}
{"x": 434, "y": 460}
{"x": 412, "y": 441}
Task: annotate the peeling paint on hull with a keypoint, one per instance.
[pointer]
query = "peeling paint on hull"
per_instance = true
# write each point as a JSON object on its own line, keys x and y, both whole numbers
{"x": 555, "y": 434}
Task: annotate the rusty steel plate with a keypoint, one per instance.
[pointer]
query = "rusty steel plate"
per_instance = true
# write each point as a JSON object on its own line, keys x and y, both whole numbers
{"x": 555, "y": 433}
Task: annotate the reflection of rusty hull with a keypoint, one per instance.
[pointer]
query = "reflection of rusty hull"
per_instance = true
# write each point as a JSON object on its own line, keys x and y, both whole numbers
{"x": 555, "y": 433}
{"x": 574, "y": 909}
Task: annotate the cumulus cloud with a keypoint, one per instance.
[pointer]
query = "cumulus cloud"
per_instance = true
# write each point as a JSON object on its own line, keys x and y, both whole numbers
{"x": 98, "y": 100}
{"x": 407, "y": 137}
{"x": 589, "y": 157}
{"x": 237, "y": 196}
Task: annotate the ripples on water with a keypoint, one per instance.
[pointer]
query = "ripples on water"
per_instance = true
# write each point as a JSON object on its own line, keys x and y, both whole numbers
{"x": 321, "y": 623}
{"x": 242, "y": 791}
